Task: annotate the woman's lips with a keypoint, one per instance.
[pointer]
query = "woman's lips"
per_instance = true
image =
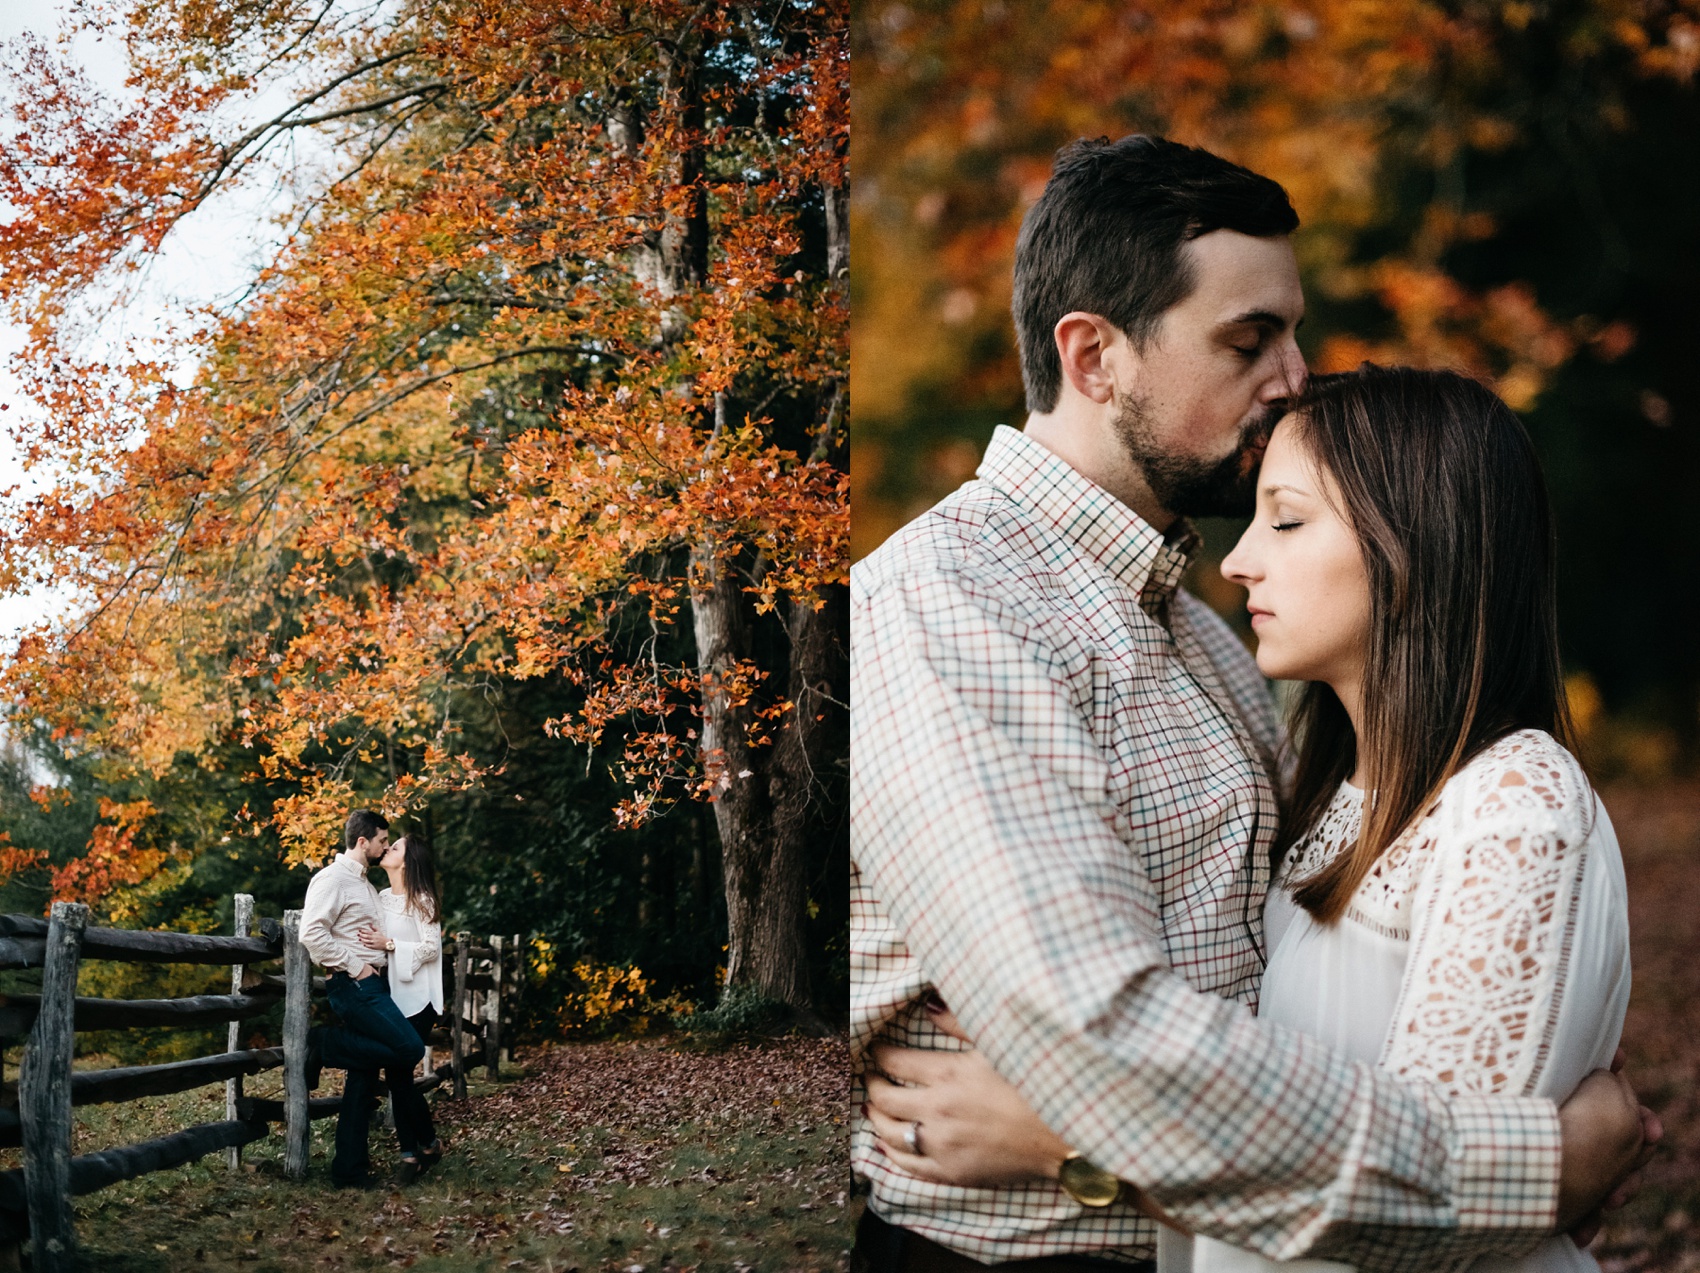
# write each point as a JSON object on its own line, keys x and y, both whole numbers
{"x": 1257, "y": 616}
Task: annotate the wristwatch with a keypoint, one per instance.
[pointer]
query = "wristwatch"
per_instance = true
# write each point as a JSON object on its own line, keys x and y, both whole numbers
{"x": 390, "y": 945}
{"x": 1088, "y": 1185}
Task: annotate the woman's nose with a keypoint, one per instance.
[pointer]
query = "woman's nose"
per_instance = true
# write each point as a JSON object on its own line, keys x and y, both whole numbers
{"x": 1238, "y": 566}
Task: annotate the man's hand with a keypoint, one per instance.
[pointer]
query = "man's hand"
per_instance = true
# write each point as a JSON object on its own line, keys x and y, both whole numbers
{"x": 976, "y": 1130}
{"x": 1608, "y": 1138}
{"x": 366, "y": 970}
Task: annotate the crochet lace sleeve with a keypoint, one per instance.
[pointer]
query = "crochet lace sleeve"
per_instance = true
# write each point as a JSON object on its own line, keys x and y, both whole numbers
{"x": 1492, "y": 921}
{"x": 430, "y": 944}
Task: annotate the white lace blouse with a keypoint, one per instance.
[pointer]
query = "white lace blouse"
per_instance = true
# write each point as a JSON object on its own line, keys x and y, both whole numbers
{"x": 1488, "y": 951}
{"x": 416, "y": 968}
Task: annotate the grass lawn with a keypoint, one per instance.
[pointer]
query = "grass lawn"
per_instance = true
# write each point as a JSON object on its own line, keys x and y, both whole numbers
{"x": 610, "y": 1156}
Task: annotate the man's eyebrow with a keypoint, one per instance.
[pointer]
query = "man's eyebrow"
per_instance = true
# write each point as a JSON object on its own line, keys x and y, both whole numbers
{"x": 1263, "y": 318}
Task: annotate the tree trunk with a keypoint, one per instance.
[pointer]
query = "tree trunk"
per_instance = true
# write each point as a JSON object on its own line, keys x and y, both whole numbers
{"x": 763, "y": 868}
{"x": 838, "y": 234}
{"x": 819, "y": 662}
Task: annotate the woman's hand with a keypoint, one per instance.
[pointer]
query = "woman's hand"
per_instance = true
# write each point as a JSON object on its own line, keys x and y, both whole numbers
{"x": 976, "y": 1130}
{"x": 371, "y": 938}
{"x": 1609, "y": 1137}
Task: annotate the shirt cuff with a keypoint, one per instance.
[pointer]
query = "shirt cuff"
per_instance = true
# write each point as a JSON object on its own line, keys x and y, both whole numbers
{"x": 1508, "y": 1153}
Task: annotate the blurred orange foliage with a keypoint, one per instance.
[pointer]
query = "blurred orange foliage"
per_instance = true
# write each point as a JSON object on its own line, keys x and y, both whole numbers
{"x": 960, "y": 105}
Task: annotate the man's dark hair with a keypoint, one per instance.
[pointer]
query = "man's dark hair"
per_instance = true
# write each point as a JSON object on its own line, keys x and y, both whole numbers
{"x": 363, "y": 824}
{"x": 1106, "y": 237}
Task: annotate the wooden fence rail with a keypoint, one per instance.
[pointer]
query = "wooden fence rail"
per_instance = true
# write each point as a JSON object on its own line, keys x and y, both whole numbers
{"x": 23, "y": 944}
{"x": 35, "y": 1200}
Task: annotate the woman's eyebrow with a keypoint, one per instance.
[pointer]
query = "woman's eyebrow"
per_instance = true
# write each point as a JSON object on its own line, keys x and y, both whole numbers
{"x": 1283, "y": 486}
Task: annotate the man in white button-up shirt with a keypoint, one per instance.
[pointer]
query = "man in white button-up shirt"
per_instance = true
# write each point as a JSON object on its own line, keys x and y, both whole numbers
{"x": 373, "y": 1035}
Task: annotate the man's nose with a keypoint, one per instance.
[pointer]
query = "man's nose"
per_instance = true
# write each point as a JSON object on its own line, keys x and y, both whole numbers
{"x": 1288, "y": 379}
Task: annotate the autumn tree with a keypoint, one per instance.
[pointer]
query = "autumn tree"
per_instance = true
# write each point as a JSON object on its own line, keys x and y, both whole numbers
{"x": 1500, "y": 188}
{"x": 546, "y": 379}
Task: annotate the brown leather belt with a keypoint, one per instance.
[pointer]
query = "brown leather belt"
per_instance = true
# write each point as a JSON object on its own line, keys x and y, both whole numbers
{"x": 885, "y": 1248}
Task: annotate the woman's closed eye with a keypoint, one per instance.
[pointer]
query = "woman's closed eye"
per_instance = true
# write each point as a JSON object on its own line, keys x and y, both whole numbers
{"x": 1287, "y": 525}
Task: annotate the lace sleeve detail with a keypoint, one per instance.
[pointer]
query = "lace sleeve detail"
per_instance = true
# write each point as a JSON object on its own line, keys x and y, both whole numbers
{"x": 1492, "y": 921}
{"x": 429, "y": 946}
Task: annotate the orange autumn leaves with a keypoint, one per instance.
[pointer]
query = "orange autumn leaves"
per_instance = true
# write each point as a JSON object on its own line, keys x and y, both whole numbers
{"x": 1365, "y": 112}
{"x": 112, "y": 862}
{"x": 438, "y": 446}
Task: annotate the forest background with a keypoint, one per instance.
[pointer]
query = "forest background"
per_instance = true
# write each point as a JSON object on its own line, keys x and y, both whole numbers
{"x": 508, "y": 494}
{"x": 1504, "y": 188}
{"x": 1509, "y": 189}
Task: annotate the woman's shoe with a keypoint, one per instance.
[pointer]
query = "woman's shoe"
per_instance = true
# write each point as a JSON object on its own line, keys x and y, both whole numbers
{"x": 429, "y": 1158}
{"x": 408, "y": 1172}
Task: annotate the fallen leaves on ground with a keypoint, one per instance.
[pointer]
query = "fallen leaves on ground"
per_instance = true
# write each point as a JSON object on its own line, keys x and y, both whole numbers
{"x": 601, "y": 1157}
{"x": 1658, "y": 828}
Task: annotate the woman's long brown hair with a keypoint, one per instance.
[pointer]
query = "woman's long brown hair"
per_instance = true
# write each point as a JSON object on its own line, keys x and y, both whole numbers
{"x": 1440, "y": 482}
{"x": 419, "y": 875}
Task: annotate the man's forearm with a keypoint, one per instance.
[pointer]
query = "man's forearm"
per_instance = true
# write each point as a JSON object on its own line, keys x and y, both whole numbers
{"x": 1264, "y": 1139}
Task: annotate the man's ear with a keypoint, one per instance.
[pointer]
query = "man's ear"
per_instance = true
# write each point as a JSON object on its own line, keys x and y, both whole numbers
{"x": 1082, "y": 341}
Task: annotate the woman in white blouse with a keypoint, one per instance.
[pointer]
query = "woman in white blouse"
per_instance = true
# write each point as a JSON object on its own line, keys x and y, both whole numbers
{"x": 1467, "y": 924}
{"x": 413, "y": 937}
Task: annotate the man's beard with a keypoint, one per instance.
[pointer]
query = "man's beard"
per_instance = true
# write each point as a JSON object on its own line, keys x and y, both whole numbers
{"x": 1190, "y": 486}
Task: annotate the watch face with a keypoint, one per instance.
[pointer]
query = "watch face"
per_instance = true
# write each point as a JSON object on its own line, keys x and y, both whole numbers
{"x": 1088, "y": 1185}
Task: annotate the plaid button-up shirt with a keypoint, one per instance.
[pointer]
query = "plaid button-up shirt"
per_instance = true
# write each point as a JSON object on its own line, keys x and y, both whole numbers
{"x": 1061, "y": 817}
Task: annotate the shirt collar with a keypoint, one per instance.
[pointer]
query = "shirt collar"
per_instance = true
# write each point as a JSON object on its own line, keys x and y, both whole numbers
{"x": 1089, "y": 517}
{"x": 354, "y": 864}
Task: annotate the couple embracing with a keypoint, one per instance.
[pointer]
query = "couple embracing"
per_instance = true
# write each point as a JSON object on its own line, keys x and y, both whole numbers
{"x": 1137, "y": 981}
{"x": 382, "y": 956}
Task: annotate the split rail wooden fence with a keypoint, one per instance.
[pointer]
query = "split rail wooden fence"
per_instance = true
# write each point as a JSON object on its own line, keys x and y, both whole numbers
{"x": 481, "y": 985}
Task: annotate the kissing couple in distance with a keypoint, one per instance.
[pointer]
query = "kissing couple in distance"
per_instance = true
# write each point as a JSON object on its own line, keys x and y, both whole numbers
{"x": 382, "y": 956}
{"x": 1223, "y": 994}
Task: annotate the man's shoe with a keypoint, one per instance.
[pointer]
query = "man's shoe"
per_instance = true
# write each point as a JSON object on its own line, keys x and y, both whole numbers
{"x": 364, "y": 1182}
{"x": 315, "y": 1061}
{"x": 408, "y": 1172}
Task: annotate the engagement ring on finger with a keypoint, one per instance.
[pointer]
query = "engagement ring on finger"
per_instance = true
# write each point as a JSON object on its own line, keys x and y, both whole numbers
{"x": 912, "y": 1139}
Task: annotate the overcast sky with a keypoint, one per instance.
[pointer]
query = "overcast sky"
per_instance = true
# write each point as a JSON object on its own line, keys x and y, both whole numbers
{"x": 212, "y": 261}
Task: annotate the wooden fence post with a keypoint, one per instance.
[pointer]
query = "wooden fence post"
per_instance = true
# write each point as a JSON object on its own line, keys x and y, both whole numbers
{"x": 493, "y": 1015}
{"x": 510, "y": 1001}
{"x": 233, "y": 1087}
{"x": 297, "y": 987}
{"x": 457, "y": 1010}
{"x": 44, "y": 1094}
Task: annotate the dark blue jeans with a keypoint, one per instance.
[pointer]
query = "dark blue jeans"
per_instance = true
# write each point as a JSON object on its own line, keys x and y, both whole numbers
{"x": 373, "y": 1036}
{"x": 414, "y": 1129}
